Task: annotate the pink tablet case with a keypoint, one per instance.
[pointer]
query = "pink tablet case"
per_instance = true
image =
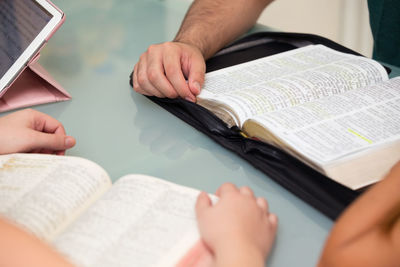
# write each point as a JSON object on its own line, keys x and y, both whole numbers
{"x": 33, "y": 86}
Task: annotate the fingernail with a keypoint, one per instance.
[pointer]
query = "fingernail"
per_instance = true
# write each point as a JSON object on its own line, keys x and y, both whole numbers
{"x": 189, "y": 98}
{"x": 69, "y": 141}
{"x": 197, "y": 87}
{"x": 273, "y": 218}
{"x": 203, "y": 194}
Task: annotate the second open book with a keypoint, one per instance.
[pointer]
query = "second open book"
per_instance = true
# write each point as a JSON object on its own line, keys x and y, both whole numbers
{"x": 336, "y": 112}
{"x": 70, "y": 203}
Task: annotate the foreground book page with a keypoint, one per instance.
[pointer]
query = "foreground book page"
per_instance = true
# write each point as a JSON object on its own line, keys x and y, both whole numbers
{"x": 44, "y": 193}
{"x": 354, "y": 127}
{"x": 141, "y": 221}
{"x": 287, "y": 79}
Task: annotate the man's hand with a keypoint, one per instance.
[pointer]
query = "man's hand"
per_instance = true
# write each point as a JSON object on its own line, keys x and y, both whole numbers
{"x": 170, "y": 69}
{"x": 238, "y": 229}
{"x": 32, "y": 131}
{"x": 176, "y": 69}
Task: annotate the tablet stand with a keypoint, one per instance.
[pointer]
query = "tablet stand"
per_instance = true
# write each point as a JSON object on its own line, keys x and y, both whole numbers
{"x": 34, "y": 86}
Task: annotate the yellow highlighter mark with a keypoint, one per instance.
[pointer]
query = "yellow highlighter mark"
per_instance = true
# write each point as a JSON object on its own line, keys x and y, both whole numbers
{"x": 243, "y": 134}
{"x": 359, "y": 135}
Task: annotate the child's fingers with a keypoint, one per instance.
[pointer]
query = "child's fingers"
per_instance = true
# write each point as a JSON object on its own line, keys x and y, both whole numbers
{"x": 263, "y": 204}
{"x": 52, "y": 142}
{"x": 48, "y": 123}
{"x": 226, "y": 188}
{"x": 245, "y": 190}
{"x": 273, "y": 220}
{"x": 203, "y": 202}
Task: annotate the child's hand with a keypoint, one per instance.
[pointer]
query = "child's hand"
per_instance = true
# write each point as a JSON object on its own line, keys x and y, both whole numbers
{"x": 239, "y": 230}
{"x": 32, "y": 131}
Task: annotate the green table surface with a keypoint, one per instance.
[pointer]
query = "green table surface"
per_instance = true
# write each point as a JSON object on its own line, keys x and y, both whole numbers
{"x": 92, "y": 55}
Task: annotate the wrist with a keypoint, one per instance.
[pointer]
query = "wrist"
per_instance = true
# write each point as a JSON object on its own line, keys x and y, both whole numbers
{"x": 197, "y": 44}
{"x": 236, "y": 253}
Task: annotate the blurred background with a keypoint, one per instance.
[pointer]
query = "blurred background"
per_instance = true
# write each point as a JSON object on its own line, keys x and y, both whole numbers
{"x": 343, "y": 21}
{"x": 346, "y": 22}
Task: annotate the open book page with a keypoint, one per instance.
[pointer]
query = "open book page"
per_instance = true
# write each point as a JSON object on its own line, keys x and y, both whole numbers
{"x": 338, "y": 126}
{"x": 139, "y": 222}
{"x": 284, "y": 80}
{"x": 43, "y": 193}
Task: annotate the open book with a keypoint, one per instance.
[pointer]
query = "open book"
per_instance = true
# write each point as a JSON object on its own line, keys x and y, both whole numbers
{"x": 70, "y": 203}
{"x": 336, "y": 112}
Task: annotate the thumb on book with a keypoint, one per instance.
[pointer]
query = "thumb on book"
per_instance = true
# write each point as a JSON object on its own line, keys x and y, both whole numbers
{"x": 196, "y": 77}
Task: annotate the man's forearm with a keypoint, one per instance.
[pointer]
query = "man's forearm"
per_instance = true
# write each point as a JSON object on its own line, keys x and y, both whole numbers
{"x": 211, "y": 24}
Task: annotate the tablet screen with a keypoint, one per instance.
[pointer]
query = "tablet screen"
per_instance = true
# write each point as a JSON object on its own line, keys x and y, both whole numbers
{"x": 20, "y": 22}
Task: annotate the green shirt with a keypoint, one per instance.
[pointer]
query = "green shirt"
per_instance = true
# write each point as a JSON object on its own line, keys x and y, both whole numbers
{"x": 384, "y": 18}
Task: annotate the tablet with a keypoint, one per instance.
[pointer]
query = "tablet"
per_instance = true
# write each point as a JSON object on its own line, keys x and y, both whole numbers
{"x": 25, "y": 26}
